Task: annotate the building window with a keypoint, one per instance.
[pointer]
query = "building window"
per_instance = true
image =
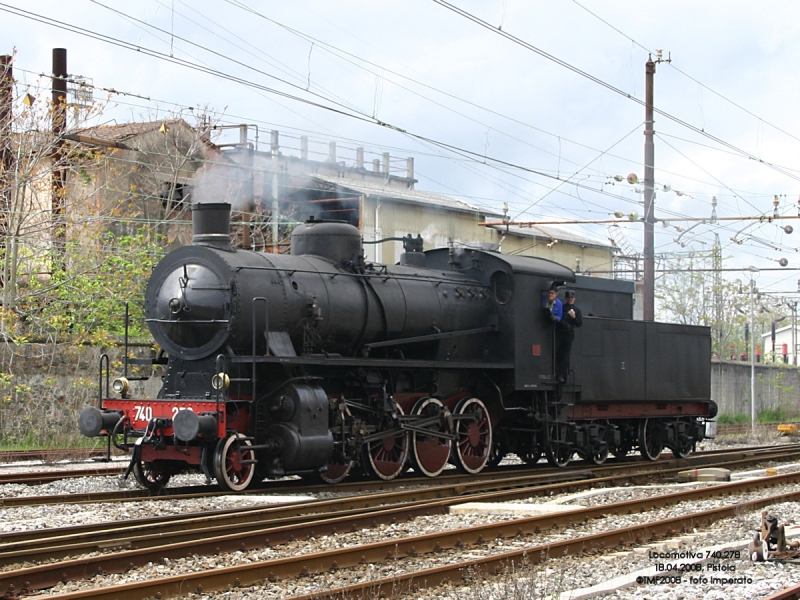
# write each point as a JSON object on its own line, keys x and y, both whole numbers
{"x": 175, "y": 195}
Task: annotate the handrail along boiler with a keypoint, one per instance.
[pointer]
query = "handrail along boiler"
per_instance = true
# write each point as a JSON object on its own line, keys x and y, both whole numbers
{"x": 320, "y": 363}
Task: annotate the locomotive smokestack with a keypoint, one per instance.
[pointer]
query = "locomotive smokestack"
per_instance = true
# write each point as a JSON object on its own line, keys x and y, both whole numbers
{"x": 211, "y": 224}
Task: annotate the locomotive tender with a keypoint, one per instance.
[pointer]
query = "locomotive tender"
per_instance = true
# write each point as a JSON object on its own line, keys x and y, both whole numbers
{"x": 319, "y": 363}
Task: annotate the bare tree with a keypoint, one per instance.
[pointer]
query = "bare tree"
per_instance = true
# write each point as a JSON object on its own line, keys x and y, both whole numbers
{"x": 691, "y": 292}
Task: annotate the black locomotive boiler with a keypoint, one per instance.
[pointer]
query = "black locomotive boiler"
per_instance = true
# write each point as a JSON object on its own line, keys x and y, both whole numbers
{"x": 320, "y": 363}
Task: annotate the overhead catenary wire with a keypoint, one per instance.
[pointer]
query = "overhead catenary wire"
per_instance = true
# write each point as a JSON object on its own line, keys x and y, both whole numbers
{"x": 211, "y": 71}
{"x": 673, "y": 65}
{"x": 475, "y": 160}
{"x": 511, "y": 165}
{"x": 304, "y": 36}
{"x": 266, "y": 169}
{"x": 229, "y": 58}
{"x": 610, "y": 87}
{"x": 181, "y": 62}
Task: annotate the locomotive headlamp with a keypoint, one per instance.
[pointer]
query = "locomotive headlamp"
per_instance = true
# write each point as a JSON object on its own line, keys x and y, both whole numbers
{"x": 121, "y": 386}
{"x": 220, "y": 381}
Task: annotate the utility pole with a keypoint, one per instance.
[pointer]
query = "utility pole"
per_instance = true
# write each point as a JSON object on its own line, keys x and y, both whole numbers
{"x": 247, "y": 192}
{"x": 6, "y": 151}
{"x": 793, "y": 306}
{"x": 649, "y": 184}
{"x": 276, "y": 207}
{"x": 716, "y": 264}
{"x": 753, "y": 273}
{"x": 59, "y": 126}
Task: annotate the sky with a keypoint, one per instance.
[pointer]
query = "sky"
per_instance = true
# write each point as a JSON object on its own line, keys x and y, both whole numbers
{"x": 533, "y": 105}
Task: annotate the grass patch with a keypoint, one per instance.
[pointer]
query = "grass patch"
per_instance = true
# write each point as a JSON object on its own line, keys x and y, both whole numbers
{"x": 776, "y": 415}
{"x": 733, "y": 419}
{"x": 768, "y": 416}
{"x": 51, "y": 442}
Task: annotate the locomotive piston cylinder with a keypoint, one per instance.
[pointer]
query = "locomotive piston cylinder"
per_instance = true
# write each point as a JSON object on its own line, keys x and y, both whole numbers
{"x": 188, "y": 425}
{"x": 93, "y": 421}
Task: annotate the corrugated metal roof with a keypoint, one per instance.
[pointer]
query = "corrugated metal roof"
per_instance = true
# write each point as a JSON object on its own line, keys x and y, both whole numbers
{"x": 429, "y": 198}
{"x": 550, "y": 232}
{"x": 370, "y": 188}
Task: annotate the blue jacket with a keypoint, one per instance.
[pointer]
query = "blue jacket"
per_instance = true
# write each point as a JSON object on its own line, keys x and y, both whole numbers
{"x": 556, "y": 309}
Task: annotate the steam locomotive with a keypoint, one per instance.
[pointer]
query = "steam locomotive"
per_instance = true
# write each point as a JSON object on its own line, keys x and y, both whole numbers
{"x": 318, "y": 363}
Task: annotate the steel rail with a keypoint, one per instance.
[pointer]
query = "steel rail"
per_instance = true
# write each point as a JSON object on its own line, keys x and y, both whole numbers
{"x": 304, "y": 565}
{"x": 749, "y": 455}
{"x": 39, "y": 478}
{"x": 256, "y": 535}
{"x": 103, "y": 533}
{"x": 558, "y": 481}
{"x": 790, "y": 593}
{"x": 50, "y": 454}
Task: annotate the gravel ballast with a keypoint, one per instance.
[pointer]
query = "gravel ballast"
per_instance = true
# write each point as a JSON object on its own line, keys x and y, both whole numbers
{"x": 730, "y": 575}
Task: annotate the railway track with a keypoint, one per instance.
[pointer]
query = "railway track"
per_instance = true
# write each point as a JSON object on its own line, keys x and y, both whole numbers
{"x": 791, "y": 593}
{"x": 39, "y": 478}
{"x": 261, "y": 528}
{"x": 50, "y": 455}
{"x": 734, "y": 458}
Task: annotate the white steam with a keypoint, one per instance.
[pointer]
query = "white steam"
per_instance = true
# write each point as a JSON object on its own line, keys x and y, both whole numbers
{"x": 219, "y": 182}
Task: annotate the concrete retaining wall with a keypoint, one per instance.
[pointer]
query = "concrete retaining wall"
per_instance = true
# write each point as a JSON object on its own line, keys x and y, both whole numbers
{"x": 43, "y": 388}
{"x": 777, "y": 387}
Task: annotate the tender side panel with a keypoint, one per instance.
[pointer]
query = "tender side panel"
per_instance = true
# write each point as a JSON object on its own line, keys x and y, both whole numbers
{"x": 678, "y": 362}
{"x": 610, "y": 298}
{"x": 608, "y": 356}
{"x": 635, "y": 361}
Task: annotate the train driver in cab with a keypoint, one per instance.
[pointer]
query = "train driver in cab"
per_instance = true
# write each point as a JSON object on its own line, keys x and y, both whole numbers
{"x": 552, "y": 306}
{"x": 565, "y": 334}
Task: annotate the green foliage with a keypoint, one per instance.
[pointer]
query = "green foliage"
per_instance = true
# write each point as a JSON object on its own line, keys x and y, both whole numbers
{"x": 41, "y": 440}
{"x": 775, "y": 415}
{"x": 693, "y": 292}
{"x": 770, "y": 415}
{"x": 733, "y": 419}
{"x": 86, "y": 301}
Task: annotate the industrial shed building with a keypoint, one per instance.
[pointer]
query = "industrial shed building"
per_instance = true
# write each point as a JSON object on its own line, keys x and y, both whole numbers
{"x": 382, "y": 202}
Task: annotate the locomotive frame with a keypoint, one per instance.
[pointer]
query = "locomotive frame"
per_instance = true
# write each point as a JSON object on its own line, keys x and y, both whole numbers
{"x": 320, "y": 364}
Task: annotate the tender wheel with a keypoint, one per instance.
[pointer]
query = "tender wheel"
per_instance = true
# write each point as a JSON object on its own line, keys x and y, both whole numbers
{"x": 622, "y": 450}
{"x": 684, "y": 447}
{"x": 650, "y": 445}
{"x": 150, "y": 476}
{"x": 473, "y": 436}
{"x": 386, "y": 457}
{"x": 532, "y": 455}
{"x": 430, "y": 453}
{"x": 599, "y": 457}
{"x": 682, "y": 450}
{"x": 233, "y": 468}
{"x": 558, "y": 451}
{"x": 528, "y": 450}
